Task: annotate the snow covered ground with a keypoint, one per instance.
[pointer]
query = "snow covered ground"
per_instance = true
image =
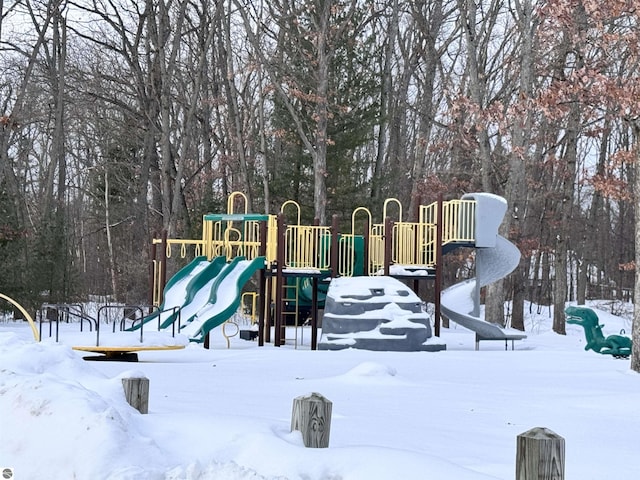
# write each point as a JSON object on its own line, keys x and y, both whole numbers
{"x": 226, "y": 413}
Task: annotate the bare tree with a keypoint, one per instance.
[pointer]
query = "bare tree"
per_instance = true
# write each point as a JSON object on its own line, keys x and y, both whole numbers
{"x": 12, "y": 117}
{"x": 313, "y": 28}
{"x": 520, "y": 156}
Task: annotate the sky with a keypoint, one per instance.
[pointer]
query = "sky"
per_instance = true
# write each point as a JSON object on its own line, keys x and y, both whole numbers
{"x": 225, "y": 413}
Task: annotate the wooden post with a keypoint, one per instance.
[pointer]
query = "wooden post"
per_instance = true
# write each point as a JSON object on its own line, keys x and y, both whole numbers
{"x": 311, "y": 416}
{"x": 136, "y": 391}
{"x": 540, "y": 455}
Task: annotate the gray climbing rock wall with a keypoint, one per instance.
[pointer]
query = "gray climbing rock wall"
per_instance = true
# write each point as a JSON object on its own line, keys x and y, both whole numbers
{"x": 374, "y": 313}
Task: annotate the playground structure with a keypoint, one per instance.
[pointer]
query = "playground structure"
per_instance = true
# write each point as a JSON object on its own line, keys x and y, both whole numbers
{"x": 294, "y": 261}
{"x": 619, "y": 346}
{"x": 295, "y": 264}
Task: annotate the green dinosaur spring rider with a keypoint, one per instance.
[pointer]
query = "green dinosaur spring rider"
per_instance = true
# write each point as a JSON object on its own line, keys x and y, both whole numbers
{"x": 617, "y": 345}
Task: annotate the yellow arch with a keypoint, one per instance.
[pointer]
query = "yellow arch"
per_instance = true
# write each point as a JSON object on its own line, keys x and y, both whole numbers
{"x": 353, "y": 218}
{"x": 32, "y": 324}
{"x": 386, "y": 204}
{"x": 231, "y": 201}
{"x": 295, "y": 204}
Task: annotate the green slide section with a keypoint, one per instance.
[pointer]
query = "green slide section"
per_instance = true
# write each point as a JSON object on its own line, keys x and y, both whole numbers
{"x": 194, "y": 284}
{"x": 305, "y": 292}
{"x": 224, "y": 298}
{"x": 179, "y": 289}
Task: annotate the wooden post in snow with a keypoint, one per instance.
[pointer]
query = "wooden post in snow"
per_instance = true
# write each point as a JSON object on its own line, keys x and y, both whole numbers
{"x": 540, "y": 455}
{"x": 136, "y": 391}
{"x": 311, "y": 416}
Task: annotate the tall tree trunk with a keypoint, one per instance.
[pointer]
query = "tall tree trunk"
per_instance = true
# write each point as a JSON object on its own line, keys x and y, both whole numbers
{"x": 588, "y": 241}
{"x": 235, "y": 124}
{"x": 53, "y": 241}
{"x": 516, "y": 189}
{"x": 107, "y": 228}
{"x": 494, "y": 308}
{"x": 322, "y": 113}
{"x": 571, "y": 52}
{"x": 430, "y": 30}
{"x": 12, "y": 123}
{"x": 477, "y": 85}
{"x": 188, "y": 138}
{"x": 166, "y": 51}
{"x": 635, "y": 334}
{"x": 385, "y": 102}
{"x": 261, "y": 157}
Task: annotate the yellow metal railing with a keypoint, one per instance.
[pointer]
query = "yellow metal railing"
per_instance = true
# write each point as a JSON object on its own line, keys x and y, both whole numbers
{"x": 272, "y": 239}
{"x": 414, "y": 244}
{"x": 307, "y": 247}
{"x": 231, "y": 239}
{"x": 458, "y": 220}
{"x": 346, "y": 255}
{"x": 174, "y": 247}
{"x": 347, "y": 243}
{"x": 376, "y": 249}
{"x": 249, "y": 247}
{"x": 182, "y": 247}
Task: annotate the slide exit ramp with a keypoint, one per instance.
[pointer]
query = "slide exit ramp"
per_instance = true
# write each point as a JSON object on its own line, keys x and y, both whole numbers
{"x": 496, "y": 257}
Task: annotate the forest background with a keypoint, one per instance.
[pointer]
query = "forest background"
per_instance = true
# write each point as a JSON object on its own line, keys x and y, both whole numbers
{"x": 120, "y": 119}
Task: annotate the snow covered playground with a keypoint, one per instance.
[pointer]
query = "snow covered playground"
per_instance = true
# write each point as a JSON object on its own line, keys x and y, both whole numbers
{"x": 357, "y": 288}
{"x": 225, "y": 412}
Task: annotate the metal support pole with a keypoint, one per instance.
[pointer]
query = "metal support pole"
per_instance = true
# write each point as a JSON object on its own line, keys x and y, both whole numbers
{"x": 279, "y": 280}
{"x": 438, "y": 281}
